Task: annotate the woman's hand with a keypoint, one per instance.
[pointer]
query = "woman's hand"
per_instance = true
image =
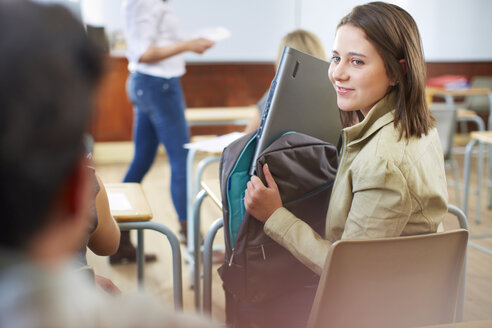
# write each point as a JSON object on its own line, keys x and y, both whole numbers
{"x": 260, "y": 200}
{"x": 107, "y": 285}
{"x": 155, "y": 53}
{"x": 199, "y": 45}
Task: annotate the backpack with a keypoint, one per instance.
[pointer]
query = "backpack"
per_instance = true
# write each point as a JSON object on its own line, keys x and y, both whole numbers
{"x": 256, "y": 268}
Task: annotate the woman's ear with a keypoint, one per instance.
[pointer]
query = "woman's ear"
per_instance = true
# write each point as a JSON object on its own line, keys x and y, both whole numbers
{"x": 403, "y": 64}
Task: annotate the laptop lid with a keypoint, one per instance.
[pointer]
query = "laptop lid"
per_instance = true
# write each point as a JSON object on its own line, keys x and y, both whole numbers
{"x": 301, "y": 99}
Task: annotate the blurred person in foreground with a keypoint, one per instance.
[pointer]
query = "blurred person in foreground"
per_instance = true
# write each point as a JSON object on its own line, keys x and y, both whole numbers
{"x": 49, "y": 74}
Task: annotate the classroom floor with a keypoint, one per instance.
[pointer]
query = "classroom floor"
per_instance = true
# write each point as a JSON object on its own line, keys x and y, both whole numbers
{"x": 111, "y": 164}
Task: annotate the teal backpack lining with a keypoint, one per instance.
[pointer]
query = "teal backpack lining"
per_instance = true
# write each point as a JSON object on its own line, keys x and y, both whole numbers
{"x": 236, "y": 186}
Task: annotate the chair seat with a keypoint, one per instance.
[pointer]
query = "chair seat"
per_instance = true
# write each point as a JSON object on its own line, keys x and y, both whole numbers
{"x": 483, "y": 136}
{"x": 463, "y": 113}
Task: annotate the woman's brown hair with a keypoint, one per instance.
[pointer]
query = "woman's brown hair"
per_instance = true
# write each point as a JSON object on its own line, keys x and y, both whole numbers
{"x": 396, "y": 37}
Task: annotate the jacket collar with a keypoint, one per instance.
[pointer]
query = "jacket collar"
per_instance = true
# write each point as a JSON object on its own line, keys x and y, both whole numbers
{"x": 380, "y": 115}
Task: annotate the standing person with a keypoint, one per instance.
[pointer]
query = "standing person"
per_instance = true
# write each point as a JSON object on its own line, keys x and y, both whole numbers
{"x": 154, "y": 48}
{"x": 301, "y": 40}
{"x": 391, "y": 179}
{"x": 49, "y": 75}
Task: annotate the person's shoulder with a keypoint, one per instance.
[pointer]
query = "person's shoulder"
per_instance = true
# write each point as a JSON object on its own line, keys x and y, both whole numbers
{"x": 66, "y": 298}
{"x": 143, "y": 310}
{"x": 393, "y": 148}
{"x": 139, "y": 7}
{"x": 387, "y": 145}
{"x": 127, "y": 310}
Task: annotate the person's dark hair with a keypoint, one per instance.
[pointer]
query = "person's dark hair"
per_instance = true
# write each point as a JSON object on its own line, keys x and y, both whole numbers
{"x": 395, "y": 35}
{"x": 49, "y": 71}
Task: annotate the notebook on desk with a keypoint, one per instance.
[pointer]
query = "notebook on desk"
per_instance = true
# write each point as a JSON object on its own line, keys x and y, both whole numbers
{"x": 301, "y": 99}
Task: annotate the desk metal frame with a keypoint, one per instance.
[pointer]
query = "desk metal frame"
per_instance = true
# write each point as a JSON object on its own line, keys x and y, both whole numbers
{"x": 193, "y": 181}
{"x": 176, "y": 255}
{"x": 468, "y": 152}
{"x": 138, "y": 217}
{"x": 207, "y": 264}
{"x": 449, "y": 96}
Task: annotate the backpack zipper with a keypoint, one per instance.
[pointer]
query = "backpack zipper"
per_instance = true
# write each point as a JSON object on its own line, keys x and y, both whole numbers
{"x": 263, "y": 251}
{"x": 232, "y": 257}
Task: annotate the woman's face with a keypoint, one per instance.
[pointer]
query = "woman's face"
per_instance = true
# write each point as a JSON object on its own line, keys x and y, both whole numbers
{"x": 357, "y": 71}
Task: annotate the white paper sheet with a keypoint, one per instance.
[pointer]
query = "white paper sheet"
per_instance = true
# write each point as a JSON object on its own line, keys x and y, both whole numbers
{"x": 215, "y": 145}
{"x": 118, "y": 202}
{"x": 213, "y": 33}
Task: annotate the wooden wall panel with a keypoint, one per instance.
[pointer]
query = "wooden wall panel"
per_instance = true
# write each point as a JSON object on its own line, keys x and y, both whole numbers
{"x": 469, "y": 69}
{"x": 113, "y": 116}
{"x": 207, "y": 85}
{"x": 214, "y": 85}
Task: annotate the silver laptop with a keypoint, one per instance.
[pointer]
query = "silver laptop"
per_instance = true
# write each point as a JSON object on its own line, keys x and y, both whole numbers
{"x": 301, "y": 99}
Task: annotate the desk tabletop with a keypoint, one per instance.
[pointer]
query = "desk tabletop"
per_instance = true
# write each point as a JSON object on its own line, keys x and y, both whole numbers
{"x": 127, "y": 202}
{"x": 220, "y": 114}
{"x": 483, "y": 136}
{"x": 431, "y": 91}
{"x": 212, "y": 187}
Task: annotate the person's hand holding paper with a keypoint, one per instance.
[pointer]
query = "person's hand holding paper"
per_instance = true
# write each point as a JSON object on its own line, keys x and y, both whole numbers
{"x": 213, "y": 33}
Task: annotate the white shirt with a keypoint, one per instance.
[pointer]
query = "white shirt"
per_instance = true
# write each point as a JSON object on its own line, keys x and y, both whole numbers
{"x": 151, "y": 22}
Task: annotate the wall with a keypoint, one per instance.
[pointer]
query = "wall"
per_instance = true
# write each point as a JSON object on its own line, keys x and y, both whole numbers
{"x": 204, "y": 85}
{"x": 211, "y": 85}
{"x": 452, "y": 30}
{"x": 455, "y": 33}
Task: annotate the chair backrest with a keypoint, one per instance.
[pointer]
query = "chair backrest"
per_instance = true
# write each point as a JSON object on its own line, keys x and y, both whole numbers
{"x": 391, "y": 282}
{"x": 463, "y": 222}
{"x": 446, "y": 125}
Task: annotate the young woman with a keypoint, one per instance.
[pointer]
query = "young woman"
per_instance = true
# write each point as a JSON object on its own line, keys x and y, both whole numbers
{"x": 156, "y": 65}
{"x": 391, "y": 179}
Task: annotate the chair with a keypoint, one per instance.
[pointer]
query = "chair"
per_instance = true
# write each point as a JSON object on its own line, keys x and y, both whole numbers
{"x": 391, "y": 282}
{"x": 482, "y": 138}
{"x": 445, "y": 124}
{"x": 475, "y": 103}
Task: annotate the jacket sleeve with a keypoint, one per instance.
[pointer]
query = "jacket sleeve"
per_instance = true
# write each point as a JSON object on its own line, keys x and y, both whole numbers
{"x": 298, "y": 238}
{"x": 380, "y": 207}
{"x": 381, "y": 204}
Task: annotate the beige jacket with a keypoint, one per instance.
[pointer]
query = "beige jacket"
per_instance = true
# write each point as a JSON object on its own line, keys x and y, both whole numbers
{"x": 384, "y": 188}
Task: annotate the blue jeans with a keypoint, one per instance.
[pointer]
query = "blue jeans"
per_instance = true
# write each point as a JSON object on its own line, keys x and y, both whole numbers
{"x": 159, "y": 118}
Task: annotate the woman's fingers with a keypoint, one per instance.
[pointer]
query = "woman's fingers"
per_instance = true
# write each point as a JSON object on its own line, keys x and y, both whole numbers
{"x": 269, "y": 178}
